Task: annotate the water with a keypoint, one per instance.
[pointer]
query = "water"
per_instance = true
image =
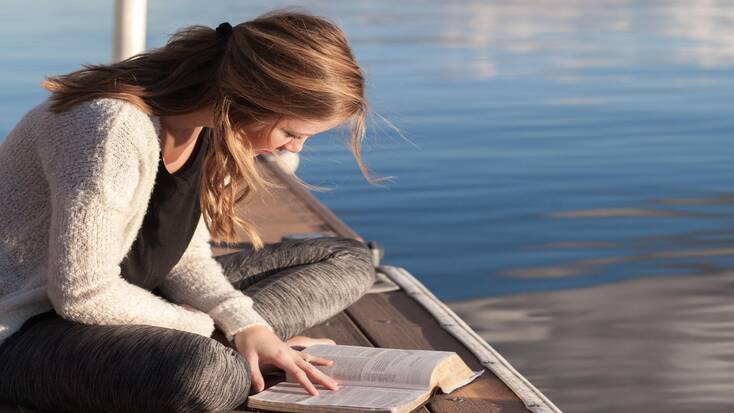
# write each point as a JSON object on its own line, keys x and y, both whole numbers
{"x": 566, "y": 183}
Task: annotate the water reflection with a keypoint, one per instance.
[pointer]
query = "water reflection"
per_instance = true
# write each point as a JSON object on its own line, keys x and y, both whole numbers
{"x": 709, "y": 26}
{"x": 661, "y": 344}
{"x": 698, "y": 32}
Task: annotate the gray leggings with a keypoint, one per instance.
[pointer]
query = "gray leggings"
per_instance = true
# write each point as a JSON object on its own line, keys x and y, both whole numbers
{"x": 57, "y": 365}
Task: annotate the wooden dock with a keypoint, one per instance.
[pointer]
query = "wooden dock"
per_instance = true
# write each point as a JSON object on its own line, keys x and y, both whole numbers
{"x": 389, "y": 319}
{"x": 383, "y": 319}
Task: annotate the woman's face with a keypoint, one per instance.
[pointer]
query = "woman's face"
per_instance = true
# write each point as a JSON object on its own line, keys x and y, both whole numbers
{"x": 289, "y": 134}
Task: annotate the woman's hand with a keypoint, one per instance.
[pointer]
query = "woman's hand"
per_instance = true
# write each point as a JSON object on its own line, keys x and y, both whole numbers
{"x": 260, "y": 345}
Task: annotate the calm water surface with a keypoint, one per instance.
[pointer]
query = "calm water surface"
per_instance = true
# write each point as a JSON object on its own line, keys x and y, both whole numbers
{"x": 566, "y": 183}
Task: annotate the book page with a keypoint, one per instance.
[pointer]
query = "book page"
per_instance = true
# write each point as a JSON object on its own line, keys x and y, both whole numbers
{"x": 382, "y": 367}
{"x": 453, "y": 385}
{"x": 363, "y": 398}
{"x": 454, "y": 373}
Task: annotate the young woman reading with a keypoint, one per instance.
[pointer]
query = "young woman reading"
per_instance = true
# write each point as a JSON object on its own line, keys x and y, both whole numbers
{"x": 112, "y": 188}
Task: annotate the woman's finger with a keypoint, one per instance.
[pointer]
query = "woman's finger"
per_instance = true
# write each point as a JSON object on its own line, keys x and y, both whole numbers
{"x": 302, "y": 378}
{"x": 257, "y": 378}
{"x": 318, "y": 375}
{"x": 317, "y": 361}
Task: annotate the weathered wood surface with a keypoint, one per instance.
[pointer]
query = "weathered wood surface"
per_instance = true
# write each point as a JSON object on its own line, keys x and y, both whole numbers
{"x": 287, "y": 210}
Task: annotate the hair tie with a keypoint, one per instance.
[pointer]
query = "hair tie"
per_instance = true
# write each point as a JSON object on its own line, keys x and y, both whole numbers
{"x": 223, "y": 31}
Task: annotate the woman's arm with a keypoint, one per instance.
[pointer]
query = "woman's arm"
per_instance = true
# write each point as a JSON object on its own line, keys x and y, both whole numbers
{"x": 93, "y": 163}
{"x": 198, "y": 279}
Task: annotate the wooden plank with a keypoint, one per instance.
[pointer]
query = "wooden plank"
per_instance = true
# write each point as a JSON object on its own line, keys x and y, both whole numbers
{"x": 396, "y": 320}
{"x": 329, "y": 219}
{"x": 283, "y": 211}
{"x": 341, "y": 329}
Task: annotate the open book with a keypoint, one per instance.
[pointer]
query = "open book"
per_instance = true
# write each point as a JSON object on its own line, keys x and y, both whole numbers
{"x": 370, "y": 379}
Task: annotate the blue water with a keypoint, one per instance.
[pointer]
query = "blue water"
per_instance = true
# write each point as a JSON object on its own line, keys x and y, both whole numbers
{"x": 546, "y": 146}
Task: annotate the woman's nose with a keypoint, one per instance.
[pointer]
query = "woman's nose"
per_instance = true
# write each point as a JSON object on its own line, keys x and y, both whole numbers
{"x": 294, "y": 146}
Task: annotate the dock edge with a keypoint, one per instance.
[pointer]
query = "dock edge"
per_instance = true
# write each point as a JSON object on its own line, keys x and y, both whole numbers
{"x": 533, "y": 399}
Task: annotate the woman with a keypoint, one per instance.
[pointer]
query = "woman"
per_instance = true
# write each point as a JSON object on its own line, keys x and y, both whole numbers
{"x": 111, "y": 191}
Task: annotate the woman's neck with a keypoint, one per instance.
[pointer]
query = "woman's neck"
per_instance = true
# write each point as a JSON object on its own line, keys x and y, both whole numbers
{"x": 178, "y": 134}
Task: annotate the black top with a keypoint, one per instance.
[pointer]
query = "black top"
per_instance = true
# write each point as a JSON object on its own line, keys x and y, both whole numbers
{"x": 170, "y": 221}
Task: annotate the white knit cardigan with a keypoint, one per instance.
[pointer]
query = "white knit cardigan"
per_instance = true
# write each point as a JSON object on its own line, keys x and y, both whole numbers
{"x": 74, "y": 188}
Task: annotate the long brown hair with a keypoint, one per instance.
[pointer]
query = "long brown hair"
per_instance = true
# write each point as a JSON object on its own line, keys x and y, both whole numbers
{"x": 284, "y": 63}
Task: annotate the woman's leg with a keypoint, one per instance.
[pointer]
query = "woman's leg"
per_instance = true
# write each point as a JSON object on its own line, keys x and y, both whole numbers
{"x": 296, "y": 284}
{"x": 57, "y": 365}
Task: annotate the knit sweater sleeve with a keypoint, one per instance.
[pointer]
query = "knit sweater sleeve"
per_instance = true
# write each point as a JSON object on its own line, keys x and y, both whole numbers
{"x": 198, "y": 279}
{"x": 93, "y": 169}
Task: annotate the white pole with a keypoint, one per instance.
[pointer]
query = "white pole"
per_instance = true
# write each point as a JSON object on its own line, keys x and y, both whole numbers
{"x": 129, "y": 30}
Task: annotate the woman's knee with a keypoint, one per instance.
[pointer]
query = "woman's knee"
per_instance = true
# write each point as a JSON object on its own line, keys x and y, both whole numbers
{"x": 206, "y": 376}
{"x": 355, "y": 260}
{"x": 121, "y": 368}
